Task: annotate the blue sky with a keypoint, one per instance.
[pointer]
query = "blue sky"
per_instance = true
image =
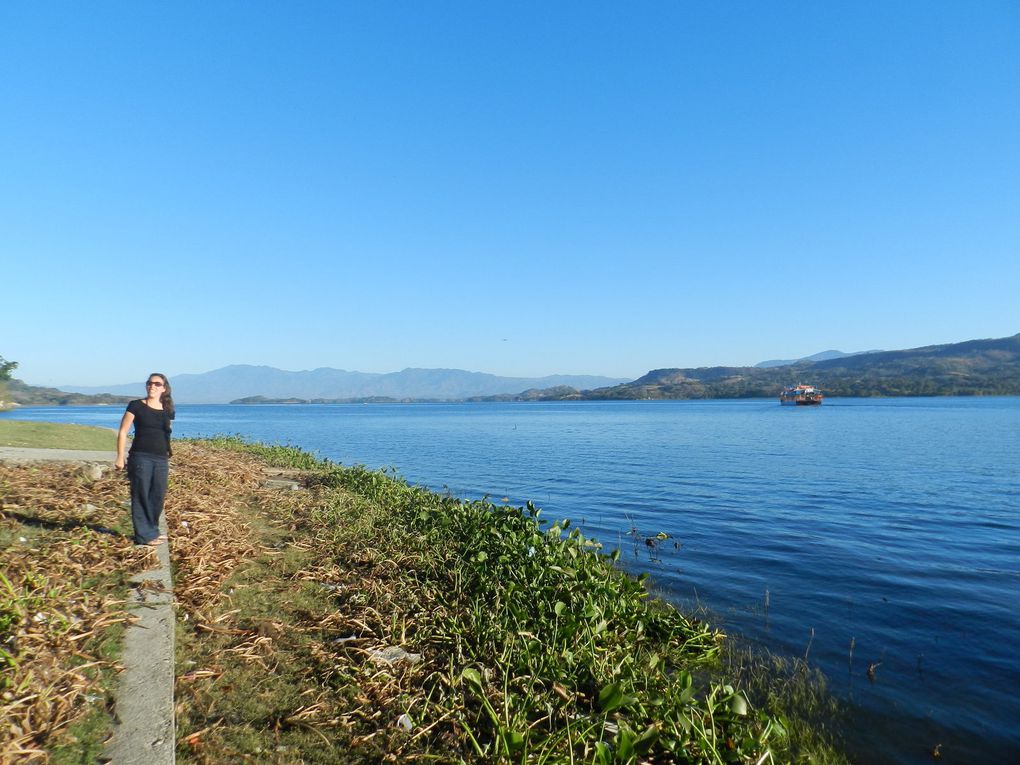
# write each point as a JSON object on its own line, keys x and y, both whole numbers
{"x": 514, "y": 188}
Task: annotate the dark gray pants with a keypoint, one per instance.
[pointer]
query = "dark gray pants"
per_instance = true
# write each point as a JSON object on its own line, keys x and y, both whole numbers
{"x": 148, "y": 474}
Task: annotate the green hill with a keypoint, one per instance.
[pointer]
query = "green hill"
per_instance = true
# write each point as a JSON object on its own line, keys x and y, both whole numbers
{"x": 972, "y": 368}
{"x": 21, "y": 394}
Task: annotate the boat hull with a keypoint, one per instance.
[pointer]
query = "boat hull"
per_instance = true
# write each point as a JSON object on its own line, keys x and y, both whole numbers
{"x": 801, "y": 395}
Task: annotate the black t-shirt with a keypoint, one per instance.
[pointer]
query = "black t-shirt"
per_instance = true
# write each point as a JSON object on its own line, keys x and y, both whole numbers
{"x": 152, "y": 429}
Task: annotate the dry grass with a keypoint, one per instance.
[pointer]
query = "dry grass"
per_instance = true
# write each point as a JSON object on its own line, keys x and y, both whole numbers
{"x": 275, "y": 638}
{"x": 64, "y": 559}
{"x": 210, "y": 535}
{"x": 65, "y": 556}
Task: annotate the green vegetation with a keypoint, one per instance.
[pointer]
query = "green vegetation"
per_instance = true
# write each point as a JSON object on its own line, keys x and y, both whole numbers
{"x": 274, "y": 455}
{"x": 265, "y": 400}
{"x": 6, "y": 368}
{"x": 556, "y": 393}
{"x": 514, "y": 641}
{"x": 47, "y": 435}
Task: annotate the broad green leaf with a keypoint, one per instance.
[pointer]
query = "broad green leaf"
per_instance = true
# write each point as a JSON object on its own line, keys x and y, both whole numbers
{"x": 625, "y": 745}
{"x": 644, "y": 742}
{"x": 738, "y": 705}
{"x": 515, "y": 741}
{"x": 612, "y": 697}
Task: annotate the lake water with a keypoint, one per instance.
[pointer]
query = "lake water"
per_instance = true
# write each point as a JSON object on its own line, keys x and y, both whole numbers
{"x": 893, "y": 524}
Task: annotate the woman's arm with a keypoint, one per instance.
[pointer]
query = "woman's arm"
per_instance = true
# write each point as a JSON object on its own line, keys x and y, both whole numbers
{"x": 125, "y": 426}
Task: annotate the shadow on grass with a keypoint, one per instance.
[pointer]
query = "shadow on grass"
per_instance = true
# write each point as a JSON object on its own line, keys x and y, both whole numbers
{"x": 67, "y": 525}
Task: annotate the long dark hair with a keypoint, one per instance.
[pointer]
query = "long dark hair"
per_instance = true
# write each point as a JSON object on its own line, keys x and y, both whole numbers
{"x": 166, "y": 397}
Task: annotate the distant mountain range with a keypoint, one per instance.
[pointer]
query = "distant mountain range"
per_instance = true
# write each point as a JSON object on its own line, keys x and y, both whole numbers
{"x": 242, "y": 381}
{"x": 821, "y": 356}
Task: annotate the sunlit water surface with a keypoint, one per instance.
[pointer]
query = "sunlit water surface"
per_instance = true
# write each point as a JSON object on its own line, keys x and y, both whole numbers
{"x": 893, "y": 524}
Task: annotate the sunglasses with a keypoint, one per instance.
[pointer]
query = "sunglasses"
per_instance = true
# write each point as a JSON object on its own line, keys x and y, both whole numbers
{"x": 154, "y": 384}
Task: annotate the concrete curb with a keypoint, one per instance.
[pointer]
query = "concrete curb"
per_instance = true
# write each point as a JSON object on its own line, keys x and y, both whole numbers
{"x": 145, "y": 733}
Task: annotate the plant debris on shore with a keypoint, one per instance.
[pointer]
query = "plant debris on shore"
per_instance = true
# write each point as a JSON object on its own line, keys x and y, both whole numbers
{"x": 64, "y": 563}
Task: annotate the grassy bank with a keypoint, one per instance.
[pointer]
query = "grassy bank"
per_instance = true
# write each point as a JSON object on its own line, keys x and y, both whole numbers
{"x": 48, "y": 435}
{"x": 366, "y": 620}
{"x": 363, "y": 620}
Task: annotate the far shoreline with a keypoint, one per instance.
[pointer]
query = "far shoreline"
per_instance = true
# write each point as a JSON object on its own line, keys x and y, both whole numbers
{"x": 16, "y": 407}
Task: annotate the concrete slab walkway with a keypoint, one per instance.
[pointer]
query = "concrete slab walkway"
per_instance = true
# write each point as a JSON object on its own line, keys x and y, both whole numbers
{"x": 144, "y": 733}
{"x": 17, "y": 454}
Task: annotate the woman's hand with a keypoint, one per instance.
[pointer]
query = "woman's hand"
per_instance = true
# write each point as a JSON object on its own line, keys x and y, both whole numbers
{"x": 122, "y": 431}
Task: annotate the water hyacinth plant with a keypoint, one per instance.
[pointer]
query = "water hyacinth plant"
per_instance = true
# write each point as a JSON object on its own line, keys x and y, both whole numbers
{"x": 551, "y": 652}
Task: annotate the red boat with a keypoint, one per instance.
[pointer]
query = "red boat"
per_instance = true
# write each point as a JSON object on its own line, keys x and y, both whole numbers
{"x": 800, "y": 395}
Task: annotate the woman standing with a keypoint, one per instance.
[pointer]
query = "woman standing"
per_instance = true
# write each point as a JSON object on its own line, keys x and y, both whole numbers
{"x": 148, "y": 464}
